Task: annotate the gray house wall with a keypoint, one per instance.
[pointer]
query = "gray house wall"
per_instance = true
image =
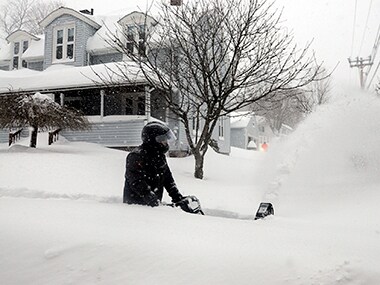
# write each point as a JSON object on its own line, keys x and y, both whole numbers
{"x": 82, "y": 32}
{"x": 224, "y": 144}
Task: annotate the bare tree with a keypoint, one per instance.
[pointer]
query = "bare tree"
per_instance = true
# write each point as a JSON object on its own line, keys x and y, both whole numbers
{"x": 25, "y": 14}
{"x": 39, "y": 112}
{"x": 316, "y": 93}
{"x": 283, "y": 110}
{"x": 215, "y": 57}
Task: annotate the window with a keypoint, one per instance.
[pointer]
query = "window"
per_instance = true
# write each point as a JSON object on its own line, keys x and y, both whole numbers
{"x": 221, "y": 127}
{"x": 25, "y": 45}
{"x": 142, "y": 38}
{"x": 128, "y": 106}
{"x": 64, "y": 38}
{"x": 15, "y": 62}
{"x": 134, "y": 105}
{"x": 16, "y": 49}
{"x": 141, "y": 106}
{"x": 136, "y": 37}
{"x": 130, "y": 39}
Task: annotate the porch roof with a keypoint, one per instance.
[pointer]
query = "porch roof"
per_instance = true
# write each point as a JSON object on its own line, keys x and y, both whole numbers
{"x": 64, "y": 77}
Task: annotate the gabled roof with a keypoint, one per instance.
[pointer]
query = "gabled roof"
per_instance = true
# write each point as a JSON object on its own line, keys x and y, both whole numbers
{"x": 63, "y": 10}
{"x": 21, "y": 33}
{"x": 136, "y": 17}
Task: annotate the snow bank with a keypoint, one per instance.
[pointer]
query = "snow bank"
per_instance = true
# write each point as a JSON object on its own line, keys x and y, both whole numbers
{"x": 62, "y": 221}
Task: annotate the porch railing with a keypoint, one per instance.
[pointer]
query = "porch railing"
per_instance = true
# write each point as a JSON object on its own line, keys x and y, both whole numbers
{"x": 53, "y": 136}
{"x": 14, "y": 136}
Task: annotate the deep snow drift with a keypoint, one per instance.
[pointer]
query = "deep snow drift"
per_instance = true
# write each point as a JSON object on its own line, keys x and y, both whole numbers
{"x": 62, "y": 221}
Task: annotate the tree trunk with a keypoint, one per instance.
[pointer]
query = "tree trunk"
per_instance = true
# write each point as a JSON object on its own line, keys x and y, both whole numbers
{"x": 33, "y": 137}
{"x": 199, "y": 160}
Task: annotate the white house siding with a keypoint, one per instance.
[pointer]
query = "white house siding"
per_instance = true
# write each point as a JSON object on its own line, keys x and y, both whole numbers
{"x": 36, "y": 65}
{"x": 4, "y": 136}
{"x": 82, "y": 32}
{"x": 111, "y": 134}
{"x": 104, "y": 58}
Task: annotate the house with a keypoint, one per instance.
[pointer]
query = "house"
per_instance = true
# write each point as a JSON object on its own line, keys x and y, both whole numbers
{"x": 244, "y": 130}
{"x": 73, "y": 61}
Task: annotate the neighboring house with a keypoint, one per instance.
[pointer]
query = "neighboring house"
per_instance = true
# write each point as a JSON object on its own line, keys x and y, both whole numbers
{"x": 244, "y": 130}
{"x": 73, "y": 61}
{"x": 265, "y": 131}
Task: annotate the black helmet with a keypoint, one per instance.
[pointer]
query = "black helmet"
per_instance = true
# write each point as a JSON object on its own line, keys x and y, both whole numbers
{"x": 156, "y": 135}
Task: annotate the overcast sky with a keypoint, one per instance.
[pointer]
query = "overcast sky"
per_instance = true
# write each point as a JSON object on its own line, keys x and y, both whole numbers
{"x": 328, "y": 23}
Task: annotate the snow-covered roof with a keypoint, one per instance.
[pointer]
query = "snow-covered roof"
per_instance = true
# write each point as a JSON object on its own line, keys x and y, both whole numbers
{"x": 64, "y": 10}
{"x": 111, "y": 27}
{"x": 61, "y": 77}
{"x": 35, "y": 49}
{"x": 6, "y": 52}
{"x": 136, "y": 17}
{"x": 20, "y": 33}
{"x": 240, "y": 119}
{"x": 99, "y": 42}
{"x": 107, "y": 27}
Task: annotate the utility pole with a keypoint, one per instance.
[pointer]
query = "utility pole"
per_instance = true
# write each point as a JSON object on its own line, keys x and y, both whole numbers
{"x": 361, "y": 63}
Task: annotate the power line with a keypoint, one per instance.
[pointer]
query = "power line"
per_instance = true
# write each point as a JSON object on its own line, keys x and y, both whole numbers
{"x": 353, "y": 28}
{"x": 365, "y": 27}
{"x": 374, "y": 74}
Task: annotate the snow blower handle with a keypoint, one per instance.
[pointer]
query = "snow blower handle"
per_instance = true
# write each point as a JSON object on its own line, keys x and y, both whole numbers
{"x": 190, "y": 204}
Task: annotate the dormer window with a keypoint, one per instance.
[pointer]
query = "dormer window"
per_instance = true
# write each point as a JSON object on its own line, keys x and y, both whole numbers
{"x": 133, "y": 32}
{"x": 64, "y": 38}
{"x": 130, "y": 39}
{"x": 16, "y": 48}
{"x": 25, "y": 45}
{"x": 142, "y": 39}
{"x": 17, "y": 53}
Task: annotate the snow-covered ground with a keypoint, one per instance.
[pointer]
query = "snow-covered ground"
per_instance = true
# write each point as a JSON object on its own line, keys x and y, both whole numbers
{"x": 62, "y": 220}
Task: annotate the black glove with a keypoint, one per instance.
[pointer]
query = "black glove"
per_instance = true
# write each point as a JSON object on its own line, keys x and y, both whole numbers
{"x": 151, "y": 199}
{"x": 177, "y": 198}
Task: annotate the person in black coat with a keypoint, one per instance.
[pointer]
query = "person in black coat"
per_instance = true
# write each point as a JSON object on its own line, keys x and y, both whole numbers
{"x": 147, "y": 172}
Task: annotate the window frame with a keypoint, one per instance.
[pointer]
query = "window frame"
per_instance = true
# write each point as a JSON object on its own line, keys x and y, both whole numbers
{"x": 18, "y": 51}
{"x": 221, "y": 128}
{"x": 65, "y": 43}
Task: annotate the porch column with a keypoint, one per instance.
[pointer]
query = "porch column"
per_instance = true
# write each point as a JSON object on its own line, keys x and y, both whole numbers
{"x": 147, "y": 103}
{"x": 102, "y": 93}
{"x": 62, "y": 98}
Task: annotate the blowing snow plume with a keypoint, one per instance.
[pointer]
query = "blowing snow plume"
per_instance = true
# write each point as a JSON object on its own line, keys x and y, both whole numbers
{"x": 328, "y": 159}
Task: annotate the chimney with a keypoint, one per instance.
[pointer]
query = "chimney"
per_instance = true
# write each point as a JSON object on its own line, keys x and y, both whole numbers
{"x": 175, "y": 2}
{"x": 87, "y": 12}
